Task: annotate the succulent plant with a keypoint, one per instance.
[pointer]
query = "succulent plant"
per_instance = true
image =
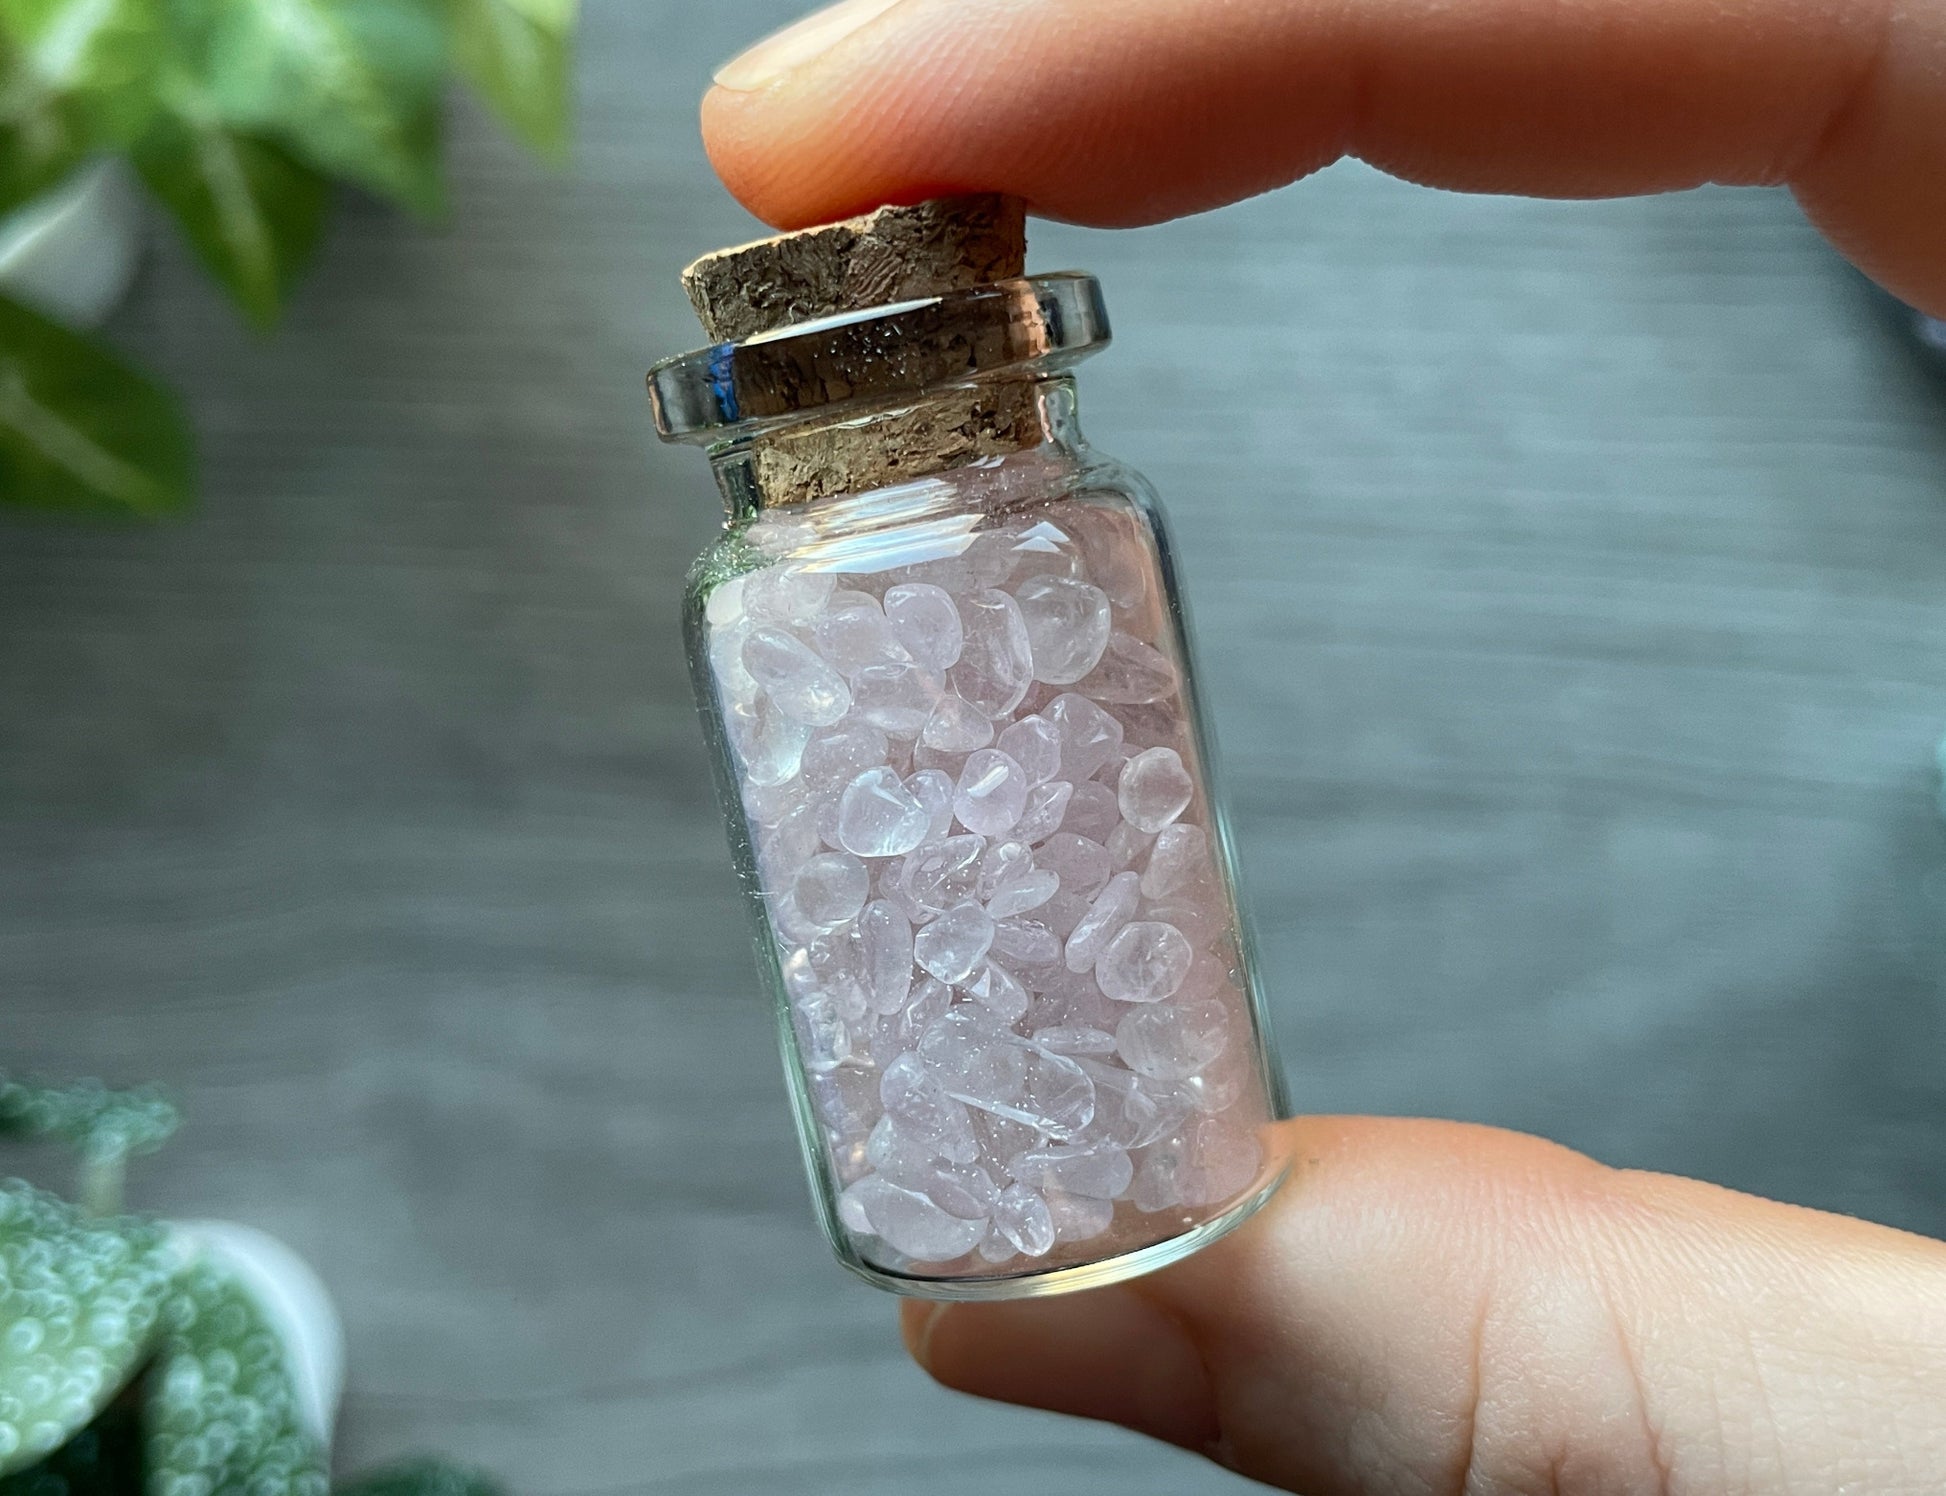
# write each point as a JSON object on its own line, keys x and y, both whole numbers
{"x": 130, "y": 1365}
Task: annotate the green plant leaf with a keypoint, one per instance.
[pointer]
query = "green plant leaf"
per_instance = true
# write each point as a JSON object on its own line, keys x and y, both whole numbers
{"x": 517, "y": 53}
{"x": 222, "y": 1415}
{"x": 76, "y": 76}
{"x": 79, "y": 429}
{"x": 353, "y": 87}
{"x": 252, "y": 213}
{"x": 104, "y": 1459}
{"x": 106, "y": 1127}
{"x": 422, "y": 1477}
{"x": 98, "y": 1121}
{"x": 80, "y": 1311}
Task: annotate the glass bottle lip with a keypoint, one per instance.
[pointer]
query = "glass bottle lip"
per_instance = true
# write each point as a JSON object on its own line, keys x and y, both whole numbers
{"x": 1036, "y": 324}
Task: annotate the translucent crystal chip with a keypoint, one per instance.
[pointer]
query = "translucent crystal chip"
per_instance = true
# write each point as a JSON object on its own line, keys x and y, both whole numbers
{"x": 963, "y": 1190}
{"x": 1002, "y": 1137}
{"x": 838, "y": 754}
{"x": 1026, "y": 942}
{"x": 1062, "y": 1039}
{"x": 726, "y": 660}
{"x": 1092, "y": 812}
{"x": 768, "y": 744}
{"x": 1082, "y": 865}
{"x": 823, "y": 1036}
{"x": 1154, "y": 789}
{"x": 999, "y": 992}
{"x": 991, "y": 794}
{"x": 787, "y": 846}
{"x": 908, "y": 1221}
{"x": 955, "y": 725}
{"x": 899, "y": 698}
{"x": 1180, "y": 860}
{"x": 1145, "y": 962}
{"x": 933, "y": 788}
{"x": 1130, "y": 671}
{"x": 1173, "y": 1041}
{"x": 953, "y": 946}
{"x": 845, "y": 1100}
{"x": 996, "y": 660}
{"x": 1217, "y": 1089}
{"x": 1118, "y": 558}
{"x": 1002, "y": 857}
{"x": 830, "y": 888}
{"x": 1131, "y": 1110}
{"x": 879, "y": 817}
{"x": 918, "y": 1103}
{"x": 1021, "y": 1216}
{"x": 1063, "y": 912}
{"x": 1021, "y": 890}
{"x": 1067, "y": 622}
{"x": 801, "y": 685}
{"x": 1209, "y": 1162}
{"x": 1106, "y": 915}
{"x": 852, "y": 633}
{"x": 885, "y": 936}
{"x": 959, "y": 1187}
{"x": 1100, "y": 1174}
{"x": 787, "y": 593}
{"x": 901, "y": 1032}
{"x": 1089, "y": 735}
{"x": 982, "y": 1064}
{"x": 1041, "y": 816}
{"x": 967, "y": 1050}
{"x": 940, "y": 874}
{"x": 724, "y": 605}
{"x": 830, "y": 965}
{"x": 1126, "y": 844}
{"x": 1078, "y": 1217}
{"x": 925, "y": 621}
{"x": 1034, "y": 743}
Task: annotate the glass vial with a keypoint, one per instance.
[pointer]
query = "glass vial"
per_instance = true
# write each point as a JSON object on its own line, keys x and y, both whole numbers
{"x": 940, "y": 659}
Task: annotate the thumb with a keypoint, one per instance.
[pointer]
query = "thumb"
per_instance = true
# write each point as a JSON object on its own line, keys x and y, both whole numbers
{"x": 1431, "y": 1307}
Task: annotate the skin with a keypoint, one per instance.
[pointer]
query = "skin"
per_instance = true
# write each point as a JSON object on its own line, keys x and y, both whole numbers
{"x": 1117, "y": 112}
{"x": 1428, "y": 1308}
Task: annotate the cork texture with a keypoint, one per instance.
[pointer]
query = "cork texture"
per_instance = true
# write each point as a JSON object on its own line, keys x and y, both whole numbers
{"x": 893, "y": 254}
{"x": 822, "y": 460}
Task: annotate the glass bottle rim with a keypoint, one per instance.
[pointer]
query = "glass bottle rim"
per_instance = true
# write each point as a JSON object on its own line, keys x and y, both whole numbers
{"x": 1036, "y": 324}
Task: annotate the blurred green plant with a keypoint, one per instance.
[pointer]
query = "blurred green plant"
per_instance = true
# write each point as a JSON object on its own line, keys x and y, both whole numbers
{"x": 129, "y": 1365}
{"x": 237, "y": 115}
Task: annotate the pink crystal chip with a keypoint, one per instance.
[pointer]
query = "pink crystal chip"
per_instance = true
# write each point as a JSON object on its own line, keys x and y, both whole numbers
{"x": 1007, "y": 947}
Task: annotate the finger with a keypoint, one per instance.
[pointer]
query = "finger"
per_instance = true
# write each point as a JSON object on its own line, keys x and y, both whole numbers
{"x": 1429, "y": 1307}
{"x": 1128, "y": 111}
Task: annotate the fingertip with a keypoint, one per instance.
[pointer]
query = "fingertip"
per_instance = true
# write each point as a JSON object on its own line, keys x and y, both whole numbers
{"x": 1111, "y": 1354}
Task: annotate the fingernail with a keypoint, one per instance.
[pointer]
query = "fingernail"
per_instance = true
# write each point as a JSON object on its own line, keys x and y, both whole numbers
{"x": 781, "y": 51}
{"x": 1108, "y": 1353}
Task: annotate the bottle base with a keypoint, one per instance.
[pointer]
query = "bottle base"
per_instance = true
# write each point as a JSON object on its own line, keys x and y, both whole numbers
{"x": 1072, "y": 1277}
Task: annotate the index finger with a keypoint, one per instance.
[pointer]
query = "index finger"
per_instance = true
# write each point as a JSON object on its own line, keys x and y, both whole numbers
{"x": 1118, "y": 112}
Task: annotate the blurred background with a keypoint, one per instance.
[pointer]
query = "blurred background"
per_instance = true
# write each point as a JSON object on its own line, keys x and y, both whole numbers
{"x": 1571, "y": 588}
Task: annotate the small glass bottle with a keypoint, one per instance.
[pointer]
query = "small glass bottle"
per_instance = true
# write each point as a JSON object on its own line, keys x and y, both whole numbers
{"x": 940, "y": 659}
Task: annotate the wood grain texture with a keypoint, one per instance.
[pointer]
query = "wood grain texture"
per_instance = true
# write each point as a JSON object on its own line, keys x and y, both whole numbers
{"x": 1571, "y": 581}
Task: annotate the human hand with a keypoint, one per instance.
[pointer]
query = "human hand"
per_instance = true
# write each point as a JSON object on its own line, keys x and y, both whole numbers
{"x": 1427, "y": 1307}
{"x": 1118, "y": 112}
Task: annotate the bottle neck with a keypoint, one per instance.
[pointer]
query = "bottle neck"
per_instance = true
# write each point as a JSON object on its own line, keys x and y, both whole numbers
{"x": 810, "y": 462}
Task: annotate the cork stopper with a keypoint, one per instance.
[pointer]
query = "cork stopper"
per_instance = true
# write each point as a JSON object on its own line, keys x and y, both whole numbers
{"x": 891, "y": 255}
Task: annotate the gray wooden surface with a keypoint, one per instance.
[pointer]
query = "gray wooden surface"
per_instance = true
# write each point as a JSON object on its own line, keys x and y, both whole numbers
{"x": 1572, "y": 586}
